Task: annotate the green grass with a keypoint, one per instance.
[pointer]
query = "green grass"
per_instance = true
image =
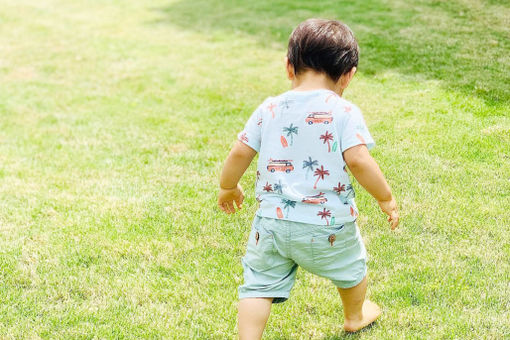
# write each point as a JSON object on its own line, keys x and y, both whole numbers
{"x": 115, "y": 117}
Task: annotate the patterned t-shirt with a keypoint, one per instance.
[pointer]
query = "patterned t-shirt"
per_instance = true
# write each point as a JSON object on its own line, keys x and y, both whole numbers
{"x": 300, "y": 137}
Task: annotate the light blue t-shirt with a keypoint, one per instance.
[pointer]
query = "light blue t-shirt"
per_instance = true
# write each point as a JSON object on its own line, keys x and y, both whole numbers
{"x": 300, "y": 137}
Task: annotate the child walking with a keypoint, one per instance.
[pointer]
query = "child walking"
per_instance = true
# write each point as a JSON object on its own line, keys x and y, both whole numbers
{"x": 306, "y": 138}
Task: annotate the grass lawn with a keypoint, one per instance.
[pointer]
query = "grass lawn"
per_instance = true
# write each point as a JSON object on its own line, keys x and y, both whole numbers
{"x": 116, "y": 116}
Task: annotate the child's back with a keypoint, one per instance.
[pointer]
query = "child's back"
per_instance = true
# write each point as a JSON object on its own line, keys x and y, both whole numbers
{"x": 300, "y": 137}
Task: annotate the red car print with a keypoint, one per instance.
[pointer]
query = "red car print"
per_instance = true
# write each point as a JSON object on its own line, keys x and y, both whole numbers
{"x": 283, "y": 165}
{"x": 319, "y": 117}
{"x": 316, "y": 199}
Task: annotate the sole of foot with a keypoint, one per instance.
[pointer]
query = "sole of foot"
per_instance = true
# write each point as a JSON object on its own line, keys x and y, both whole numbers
{"x": 370, "y": 311}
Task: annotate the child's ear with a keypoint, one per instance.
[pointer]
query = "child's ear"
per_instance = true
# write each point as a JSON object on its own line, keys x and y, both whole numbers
{"x": 352, "y": 72}
{"x": 290, "y": 69}
{"x": 346, "y": 78}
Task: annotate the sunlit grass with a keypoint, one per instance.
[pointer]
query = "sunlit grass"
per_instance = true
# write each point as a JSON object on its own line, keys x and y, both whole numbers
{"x": 117, "y": 115}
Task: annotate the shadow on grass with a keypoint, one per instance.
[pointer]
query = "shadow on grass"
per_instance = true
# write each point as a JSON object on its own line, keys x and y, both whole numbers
{"x": 350, "y": 336}
{"x": 341, "y": 336}
{"x": 463, "y": 46}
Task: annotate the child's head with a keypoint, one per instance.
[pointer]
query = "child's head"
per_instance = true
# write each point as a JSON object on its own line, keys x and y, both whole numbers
{"x": 324, "y": 46}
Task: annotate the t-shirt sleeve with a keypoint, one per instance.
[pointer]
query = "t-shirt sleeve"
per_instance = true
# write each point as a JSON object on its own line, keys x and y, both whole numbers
{"x": 355, "y": 131}
{"x": 251, "y": 133}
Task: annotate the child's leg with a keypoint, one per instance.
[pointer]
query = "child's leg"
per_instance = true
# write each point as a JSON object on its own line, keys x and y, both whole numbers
{"x": 252, "y": 317}
{"x": 358, "y": 312}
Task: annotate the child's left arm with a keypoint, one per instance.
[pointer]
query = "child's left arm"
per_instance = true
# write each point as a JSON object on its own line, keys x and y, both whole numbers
{"x": 235, "y": 165}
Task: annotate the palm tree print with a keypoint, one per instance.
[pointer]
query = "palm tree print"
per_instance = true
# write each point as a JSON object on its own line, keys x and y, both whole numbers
{"x": 320, "y": 173}
{"x": 290, "y": 131}
{"x": 347, "y": 195}
{"x": 339, "y": 188}
{"x": 308, "y": 165}
{"x": 324, "y": 214}
{"x": 278, "y": 187}
{"x": 271, "y": 107}
{"x": 285, "y": 104}
{"x": 326, "y": 138}
{"x": 268, "y": 187}
{"x": 287, "y": 204}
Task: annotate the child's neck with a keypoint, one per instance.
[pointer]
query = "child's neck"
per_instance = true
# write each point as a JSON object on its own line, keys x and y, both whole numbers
{"x": 311, "y": 80}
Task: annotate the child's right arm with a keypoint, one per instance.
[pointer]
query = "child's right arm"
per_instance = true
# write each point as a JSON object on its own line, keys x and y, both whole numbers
{"x": 237, "y": 162}
{"x": 366, "y": 171}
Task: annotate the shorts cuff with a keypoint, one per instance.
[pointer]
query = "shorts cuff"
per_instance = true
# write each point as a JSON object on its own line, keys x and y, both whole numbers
{"x": 277, "y": 297}
{"x": 350, "y": 284}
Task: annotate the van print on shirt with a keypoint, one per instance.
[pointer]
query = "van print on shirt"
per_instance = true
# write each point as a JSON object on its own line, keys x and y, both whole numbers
{"x": 315, "y": 199}
{"x": 319, "y": 117}
{"x": 283, "y": 165}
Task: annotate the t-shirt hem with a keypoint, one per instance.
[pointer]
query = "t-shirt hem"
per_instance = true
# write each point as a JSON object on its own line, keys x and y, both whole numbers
{"x": 251, "y": 145}
{"x": 338, "y": 219}
{"x": 369, "y": 145}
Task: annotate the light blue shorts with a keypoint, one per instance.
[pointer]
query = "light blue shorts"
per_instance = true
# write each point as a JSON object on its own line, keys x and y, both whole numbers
{"x": 276, "y": 248}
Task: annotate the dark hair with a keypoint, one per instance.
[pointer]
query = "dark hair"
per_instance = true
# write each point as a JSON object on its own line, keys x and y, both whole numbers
{"x": 323, "y": 45}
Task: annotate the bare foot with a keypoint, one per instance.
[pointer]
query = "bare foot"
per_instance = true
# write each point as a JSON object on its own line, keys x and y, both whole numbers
{"x": 370, "y": 312}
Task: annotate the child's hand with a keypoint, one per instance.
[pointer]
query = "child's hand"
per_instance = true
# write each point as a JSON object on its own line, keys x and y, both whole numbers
{"x": 227, "y": 197}
{"x": 390, "y": 208}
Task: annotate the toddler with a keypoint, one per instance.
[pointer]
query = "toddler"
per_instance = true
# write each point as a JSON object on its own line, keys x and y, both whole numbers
{"x": 306, "y": 138}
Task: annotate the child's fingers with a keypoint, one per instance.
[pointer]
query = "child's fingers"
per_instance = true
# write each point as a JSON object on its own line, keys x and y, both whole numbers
{"x": 220, "y": 204}
{"x": 394, "y": 225}
{"x": 230, "y": 207}
{"x": 394, "y": 220}
{"x": 239, "y": 201}
{"x": 222, "y": 208}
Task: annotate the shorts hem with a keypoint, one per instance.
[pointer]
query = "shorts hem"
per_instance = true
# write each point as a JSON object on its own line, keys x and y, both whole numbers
{"x": 350, "y": 284}
{"x": 277, "y": 297}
